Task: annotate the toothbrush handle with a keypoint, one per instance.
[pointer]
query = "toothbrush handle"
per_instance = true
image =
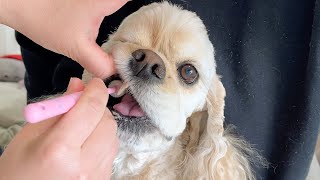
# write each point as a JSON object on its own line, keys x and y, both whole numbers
{"x": 39, "y": 111}
{"x": 43, "y": 110}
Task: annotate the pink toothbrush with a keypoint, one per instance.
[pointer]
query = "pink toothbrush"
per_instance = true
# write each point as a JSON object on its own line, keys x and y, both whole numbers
{"x": 46, "y": 109}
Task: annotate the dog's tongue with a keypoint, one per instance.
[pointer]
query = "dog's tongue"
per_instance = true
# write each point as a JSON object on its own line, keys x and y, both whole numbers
{"x": 129, "y": 107}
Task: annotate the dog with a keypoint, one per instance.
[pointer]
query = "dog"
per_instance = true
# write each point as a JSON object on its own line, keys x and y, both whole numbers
{"x": 171, "y": 118}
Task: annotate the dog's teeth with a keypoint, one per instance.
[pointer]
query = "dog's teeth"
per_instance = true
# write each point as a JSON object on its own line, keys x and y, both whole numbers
{"x": 122, "y": 89}
{"x": 116, "y": 84}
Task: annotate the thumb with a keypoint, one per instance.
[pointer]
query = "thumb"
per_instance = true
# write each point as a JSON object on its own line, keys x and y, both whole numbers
{"x": 95, "y": 60}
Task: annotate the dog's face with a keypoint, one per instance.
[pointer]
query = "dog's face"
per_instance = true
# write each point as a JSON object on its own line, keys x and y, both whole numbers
{"x": 167, "y": 59}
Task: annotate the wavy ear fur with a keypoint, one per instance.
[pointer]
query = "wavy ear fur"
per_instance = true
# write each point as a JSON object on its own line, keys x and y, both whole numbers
{"x": 211, "y": 152}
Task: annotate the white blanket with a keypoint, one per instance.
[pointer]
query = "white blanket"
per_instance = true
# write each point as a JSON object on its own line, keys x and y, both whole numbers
{"x": 12, "y": 102}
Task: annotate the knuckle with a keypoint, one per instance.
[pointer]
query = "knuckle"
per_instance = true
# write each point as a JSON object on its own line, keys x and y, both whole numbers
{"x": 95, "y": 105}
{"x": 54, "y": 152}
{"x": 99, "y": 72}
{"x": 61, "y": 156}
{"x": 81, "y": 176}
{"x": 74, "y": 52}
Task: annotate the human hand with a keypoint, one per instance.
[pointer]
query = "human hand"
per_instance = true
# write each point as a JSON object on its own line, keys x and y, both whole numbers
{"x": 65, "y": 27}
{"x": 78, "y": 145}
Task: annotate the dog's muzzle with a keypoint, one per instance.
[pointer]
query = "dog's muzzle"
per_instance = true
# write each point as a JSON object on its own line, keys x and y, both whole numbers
{"x": 147, "y": 66}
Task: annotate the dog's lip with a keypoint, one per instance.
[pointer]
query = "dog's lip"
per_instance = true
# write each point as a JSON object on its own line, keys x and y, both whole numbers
{"x": 125, "y": 105}
{"x": 108, "y": 80}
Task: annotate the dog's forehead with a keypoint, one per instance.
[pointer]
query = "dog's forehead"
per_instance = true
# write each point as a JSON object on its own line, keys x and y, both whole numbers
{"x": 177, "y": 33}
{"x": 158, "y": 23}
{"x": 186, "y": 45}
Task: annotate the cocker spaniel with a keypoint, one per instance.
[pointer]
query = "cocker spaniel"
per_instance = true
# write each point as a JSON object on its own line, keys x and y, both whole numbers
{"x": 171, "y": 115}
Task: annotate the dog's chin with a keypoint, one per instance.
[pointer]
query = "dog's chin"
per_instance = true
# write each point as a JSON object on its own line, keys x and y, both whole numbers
{"x": 137, "y": 126}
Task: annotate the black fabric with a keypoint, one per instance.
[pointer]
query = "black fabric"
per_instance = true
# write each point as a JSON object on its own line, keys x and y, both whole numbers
{"x": 268, "y": 54}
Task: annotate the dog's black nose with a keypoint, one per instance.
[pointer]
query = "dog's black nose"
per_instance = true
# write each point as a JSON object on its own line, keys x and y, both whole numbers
{"x": 147, "y": 65}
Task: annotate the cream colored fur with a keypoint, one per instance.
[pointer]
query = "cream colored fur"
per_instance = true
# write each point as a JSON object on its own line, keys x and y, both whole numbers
{"x": 200, "y": 147}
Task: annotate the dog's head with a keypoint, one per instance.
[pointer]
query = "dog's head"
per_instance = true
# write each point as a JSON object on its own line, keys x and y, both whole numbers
{"x": 164, "y": 54}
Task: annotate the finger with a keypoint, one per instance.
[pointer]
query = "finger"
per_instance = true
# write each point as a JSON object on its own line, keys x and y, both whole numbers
{"x": 77, "y": 125}
{"x": 101, "y": 145}
{"x": 112, "y": 6}
{"x": 95, "y": 60}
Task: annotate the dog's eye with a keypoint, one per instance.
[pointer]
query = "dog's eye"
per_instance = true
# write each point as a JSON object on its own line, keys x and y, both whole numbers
{"x": 188, "y": 73}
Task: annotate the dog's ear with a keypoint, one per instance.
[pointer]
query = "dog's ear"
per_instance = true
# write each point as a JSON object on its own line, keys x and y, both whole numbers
{"x": 215, "y": 107}
{"x": 215, "y": 155}
{"x": 209, "y": 119}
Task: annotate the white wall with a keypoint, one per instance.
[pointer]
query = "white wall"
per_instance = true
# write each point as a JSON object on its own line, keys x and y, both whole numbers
{"x": 8, "y": 44}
